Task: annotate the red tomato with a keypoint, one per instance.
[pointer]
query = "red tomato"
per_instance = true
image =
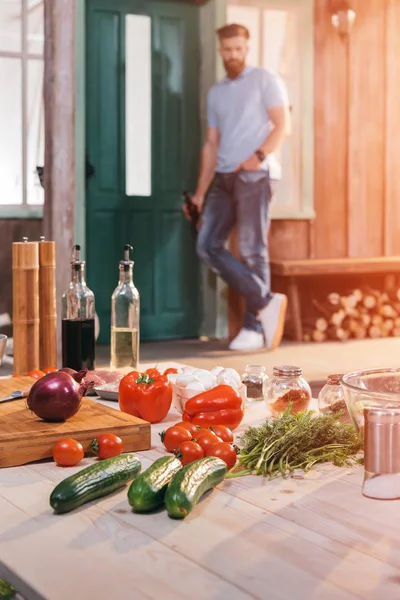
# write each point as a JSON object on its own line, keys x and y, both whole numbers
{"x": 189, "y": 452}
{"x": 170, "y": 371}
{"x": 223, "y": 432}
{"x": 49, "y": 370}
{"x": 68, "y": 452}
{"x": 107, "y": 445}
{"x": 208, "y": 441}
{"x": 174, "y": 436}
{"x": 225, "y": 452}
{"x": 36, "y": 374}
{"x": 191, "y": 428}
{"x": 200, "y": 432}
{"x": 186, "y": 418}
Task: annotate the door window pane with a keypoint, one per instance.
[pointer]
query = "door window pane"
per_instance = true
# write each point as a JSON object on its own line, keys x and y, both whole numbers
{"x": 10, "y": 25}
{"x": 279, "y": 30}
{"x": 11, "y": 132}
{"x": 138, "y": 105}
{"x": 35, "y": 131}
{"x": 281, "y": 55}
{"x": 35, "y": 26}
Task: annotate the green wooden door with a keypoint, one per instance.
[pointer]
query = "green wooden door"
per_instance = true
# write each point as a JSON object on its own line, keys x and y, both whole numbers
{"x": 166, "y": 270}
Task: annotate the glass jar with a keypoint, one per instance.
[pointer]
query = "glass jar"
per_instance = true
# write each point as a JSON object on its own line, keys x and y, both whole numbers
{"x": 253, "y": 378}
{"x": 331, "y": 397}
{"x": 287, "y": 386}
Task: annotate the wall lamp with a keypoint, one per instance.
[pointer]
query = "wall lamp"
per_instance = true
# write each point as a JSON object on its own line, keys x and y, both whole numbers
{"x": 343, "y": 21}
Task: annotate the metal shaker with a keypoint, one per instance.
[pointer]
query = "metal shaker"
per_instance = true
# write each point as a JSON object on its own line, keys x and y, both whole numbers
{"x": 381, "y": 453}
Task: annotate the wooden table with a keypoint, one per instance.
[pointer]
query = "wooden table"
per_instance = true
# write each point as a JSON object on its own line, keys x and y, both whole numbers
{"x": 313, "y": 537}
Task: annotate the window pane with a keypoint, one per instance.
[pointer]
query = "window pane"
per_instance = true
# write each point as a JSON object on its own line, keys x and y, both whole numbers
{"x": 138, "y": 105}
{"x": 35, "y": 131}
{"x": 281, "y": 53}
{"x": 280, "y": 42}
{"x": 248, "y": 16}
{"x": 35, "y": 40}
{"x": 11, "y": 131}
{"x": 10, "y": 25}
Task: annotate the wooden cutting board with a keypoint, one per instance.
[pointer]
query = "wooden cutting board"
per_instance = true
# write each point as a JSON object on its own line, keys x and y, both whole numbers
{"x": 25, "y": 438}
{"x": 14, "y": 384}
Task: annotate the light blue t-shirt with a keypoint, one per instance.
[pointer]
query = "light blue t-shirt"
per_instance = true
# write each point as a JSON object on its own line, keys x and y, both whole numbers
{"x": 238, "y": 108}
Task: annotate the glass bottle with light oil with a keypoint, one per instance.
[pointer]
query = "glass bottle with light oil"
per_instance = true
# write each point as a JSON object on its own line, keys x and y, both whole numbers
{"x": 78, "y": 319}
{"x": 125, "y": 316}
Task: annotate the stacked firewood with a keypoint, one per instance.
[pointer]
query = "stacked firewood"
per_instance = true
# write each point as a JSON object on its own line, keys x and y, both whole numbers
{"x": 366, "y": 313}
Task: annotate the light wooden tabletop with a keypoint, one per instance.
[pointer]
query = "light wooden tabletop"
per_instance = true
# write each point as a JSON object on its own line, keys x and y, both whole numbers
{"x": 312, "y": 537}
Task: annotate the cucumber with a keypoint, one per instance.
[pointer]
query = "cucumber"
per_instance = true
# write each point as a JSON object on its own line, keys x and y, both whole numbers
{"x": 148, "y": 490}
{"x": 98, "y": 480}
{"x": 191, "y": 482}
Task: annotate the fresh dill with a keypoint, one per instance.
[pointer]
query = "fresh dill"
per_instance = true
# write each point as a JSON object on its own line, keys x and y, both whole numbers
{"x": 296, "y": 441}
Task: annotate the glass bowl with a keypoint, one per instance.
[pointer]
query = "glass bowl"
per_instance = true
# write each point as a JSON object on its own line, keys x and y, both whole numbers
{"x": 374, "y": 387}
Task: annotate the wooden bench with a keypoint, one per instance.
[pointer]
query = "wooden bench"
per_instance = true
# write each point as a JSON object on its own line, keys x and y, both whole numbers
{"x": 292, "y": 270}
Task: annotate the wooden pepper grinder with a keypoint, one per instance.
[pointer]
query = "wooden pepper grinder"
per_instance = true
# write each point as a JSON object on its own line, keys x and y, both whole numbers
{"x": 47, "y": 304}
{"x": 25, "y": 259}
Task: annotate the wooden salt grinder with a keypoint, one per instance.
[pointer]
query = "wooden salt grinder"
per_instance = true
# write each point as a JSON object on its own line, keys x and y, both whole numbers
{"x": 25, "y": 262}
{"x": 47, "y": 304}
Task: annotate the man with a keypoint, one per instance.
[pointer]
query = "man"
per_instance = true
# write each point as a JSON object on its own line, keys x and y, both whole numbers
{"x": 248, "y": 119}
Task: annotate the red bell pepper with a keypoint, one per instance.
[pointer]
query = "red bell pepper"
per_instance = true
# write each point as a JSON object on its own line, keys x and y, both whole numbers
{"x": 145, "y": 395}
{"x": 222, "y": 405}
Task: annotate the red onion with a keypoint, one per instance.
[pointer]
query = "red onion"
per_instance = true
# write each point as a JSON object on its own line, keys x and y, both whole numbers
{"x": 57, "y": 396}
{"x": 77, "y": 375}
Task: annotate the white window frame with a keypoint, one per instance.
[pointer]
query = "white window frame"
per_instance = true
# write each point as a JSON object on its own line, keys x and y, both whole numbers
{"x": 305, "y": 11}
{"x": 23, "y": 210}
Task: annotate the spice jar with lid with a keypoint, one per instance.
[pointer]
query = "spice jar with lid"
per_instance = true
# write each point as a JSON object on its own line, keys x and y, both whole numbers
{"x": 381, "y": 453}
{"x": 287, "y": 386}
{"x": 253, "y": 378}
{"x": 331, "y": 398}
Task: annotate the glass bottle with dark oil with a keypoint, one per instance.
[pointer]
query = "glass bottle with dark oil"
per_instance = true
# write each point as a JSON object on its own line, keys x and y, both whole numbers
{"x": 78, "y": 319}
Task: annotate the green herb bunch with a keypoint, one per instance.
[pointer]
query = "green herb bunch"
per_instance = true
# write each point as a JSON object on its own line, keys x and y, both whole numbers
{"x": 296, "y": 441}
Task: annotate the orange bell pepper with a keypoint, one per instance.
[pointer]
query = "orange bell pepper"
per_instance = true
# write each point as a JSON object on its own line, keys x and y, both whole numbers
{"x": 222, "y": 405}
{"x": 145, "y": 395}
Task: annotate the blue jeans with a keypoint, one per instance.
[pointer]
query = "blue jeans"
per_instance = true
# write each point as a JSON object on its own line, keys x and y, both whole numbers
{"x": 239, "y": 199}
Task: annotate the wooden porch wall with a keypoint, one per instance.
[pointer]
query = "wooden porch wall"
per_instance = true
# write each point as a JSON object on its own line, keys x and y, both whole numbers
{"x": 357, "y": 143}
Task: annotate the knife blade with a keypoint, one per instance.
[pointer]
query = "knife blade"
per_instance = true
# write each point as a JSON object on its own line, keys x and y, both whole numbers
{"x": 17, "y": 395}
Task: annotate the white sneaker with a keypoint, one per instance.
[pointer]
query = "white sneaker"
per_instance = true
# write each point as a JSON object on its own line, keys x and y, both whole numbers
{"x": 272, "y": 318}
{"x": 247, "y": 339}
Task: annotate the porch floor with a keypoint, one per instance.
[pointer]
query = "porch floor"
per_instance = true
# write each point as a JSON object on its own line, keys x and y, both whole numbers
{"x": 317, "y": 360}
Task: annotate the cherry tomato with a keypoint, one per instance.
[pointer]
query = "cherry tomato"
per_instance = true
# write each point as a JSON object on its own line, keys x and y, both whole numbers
{"x": 208, "y": 441}
{"x": 50, "y": 370}
{"x": 170, "y": 371}
{"x": 193, "y": 429}
{"x": 68, "y": 452}
{"x": 36, "y": 374}
{"x": 189, "y": 452}
{"x": 223, "y": 432}
{"x": 201, "y": 431}
{"x": 107, "y": 445}
{"x": 174, "y": 436}
{"x": 225, "y": 452}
